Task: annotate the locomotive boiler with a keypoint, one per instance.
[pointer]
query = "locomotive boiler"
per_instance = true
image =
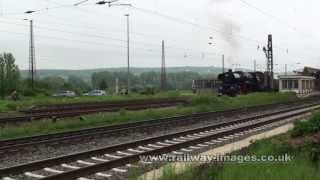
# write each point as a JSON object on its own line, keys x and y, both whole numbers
{"x": 239, "y": 82}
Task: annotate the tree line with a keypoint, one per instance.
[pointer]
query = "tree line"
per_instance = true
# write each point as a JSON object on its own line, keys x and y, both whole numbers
{"x": 10, "y": 81}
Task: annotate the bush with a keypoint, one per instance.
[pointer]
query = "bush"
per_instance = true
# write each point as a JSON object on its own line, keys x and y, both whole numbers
{"x": 307, "y": 127}
{"x": 12, "y": 106}
{"x": 29, "y": 93}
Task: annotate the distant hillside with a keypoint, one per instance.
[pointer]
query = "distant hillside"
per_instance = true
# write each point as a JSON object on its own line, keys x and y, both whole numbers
{"x": 86, "y": 74}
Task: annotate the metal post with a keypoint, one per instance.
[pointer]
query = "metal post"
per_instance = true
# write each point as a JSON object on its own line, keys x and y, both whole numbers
{"x": 163, "y": 69}
{"x": 32, "y": 56}
{"x": 286, "y": 69}
{"x": 254, "y": 65}
{"x": 270, "y": 62}
{"x": 128, "y": 54}
{"x": 117, "y": 86}
{"x": 222, "y": 63}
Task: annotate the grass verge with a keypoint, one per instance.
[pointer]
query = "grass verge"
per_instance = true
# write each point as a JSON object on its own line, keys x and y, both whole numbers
{"x": 199, "y": 104}
{"x": 25, "y": 102}
{"x": 301, "y": 143}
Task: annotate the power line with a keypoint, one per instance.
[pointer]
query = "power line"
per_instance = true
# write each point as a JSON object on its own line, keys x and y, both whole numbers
{"x": 96, "y": 36}
{"x": 266, "y": 13}
{"x": 149, "y": 50}
{"x": 281, "y": 21}
{"x": 175, "y": 19}
{"x": 82, "y": 34}
{"x": 184, "y": 21}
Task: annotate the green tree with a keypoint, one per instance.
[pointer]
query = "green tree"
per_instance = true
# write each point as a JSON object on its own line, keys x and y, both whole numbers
{"x": 9, "y": 74}
{"x": 103, "y": 85}
{"x": 78, "y": 84}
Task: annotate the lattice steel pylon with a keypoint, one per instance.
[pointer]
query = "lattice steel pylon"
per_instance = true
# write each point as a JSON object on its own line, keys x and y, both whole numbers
{"x": 32, "y": 59}
{"x": 163, "y": 69}
{"x": 270, "y": 61}
{"x": 269, "y": 55}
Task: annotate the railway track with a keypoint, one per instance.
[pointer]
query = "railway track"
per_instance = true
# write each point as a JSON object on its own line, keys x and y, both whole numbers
{"x": 102, "y": 104}
{"x": 73, "y": 110}
{"x": 16, "y": 144}
{"x": 107, "y": 161}
{"x": 12, "y": 145}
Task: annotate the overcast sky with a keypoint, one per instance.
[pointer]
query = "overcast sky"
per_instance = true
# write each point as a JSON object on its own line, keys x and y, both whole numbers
{"x": 92, "y": 36}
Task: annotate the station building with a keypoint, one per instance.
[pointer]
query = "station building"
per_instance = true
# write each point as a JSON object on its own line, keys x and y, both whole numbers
{"x": 301, "y": 85}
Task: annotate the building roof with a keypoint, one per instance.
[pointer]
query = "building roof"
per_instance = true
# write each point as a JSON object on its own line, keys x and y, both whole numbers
{"x": 296, "y": 77}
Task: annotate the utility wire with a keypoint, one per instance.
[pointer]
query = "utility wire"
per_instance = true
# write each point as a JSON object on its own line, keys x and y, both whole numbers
{"x": 149, "y": 49}
{"x": 266, "y": 13}
{"x": 175, "y": 19}
{"x": 184, "y": 21}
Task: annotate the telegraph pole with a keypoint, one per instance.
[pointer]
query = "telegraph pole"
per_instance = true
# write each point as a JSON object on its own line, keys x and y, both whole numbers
{"x": 254, "y": 65}
{"x": 128, "y": 53}
{"x": 163, "y": 69}
{"x": 32, "y": 61}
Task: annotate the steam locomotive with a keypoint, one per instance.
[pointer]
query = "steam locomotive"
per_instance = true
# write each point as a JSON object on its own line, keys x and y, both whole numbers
{"x": 238, "y": 82}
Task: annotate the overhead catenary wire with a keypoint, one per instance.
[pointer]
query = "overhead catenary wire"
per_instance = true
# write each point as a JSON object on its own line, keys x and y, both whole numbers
{"x": 175, "y": 19}
{"x": 266, "y": 13}
{"x": 172, "y": 18}
{"x": 145, "y": 49}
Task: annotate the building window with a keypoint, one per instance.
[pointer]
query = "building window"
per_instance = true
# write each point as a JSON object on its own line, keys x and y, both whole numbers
{"x": 296, "y": 84}
{"x": 285, "y": 84}
{"x": 290, "y": 84}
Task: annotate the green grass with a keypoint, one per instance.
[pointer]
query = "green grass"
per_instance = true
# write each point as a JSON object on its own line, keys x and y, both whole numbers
{"x": 305, "y": 164}
{"x": 307, "y": 127}
{"x": 25, "y": 102}
{"x": 199, "y": 104}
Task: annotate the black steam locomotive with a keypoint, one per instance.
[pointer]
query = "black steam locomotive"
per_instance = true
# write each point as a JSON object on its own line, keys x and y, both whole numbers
{"x": 234, "y": 83}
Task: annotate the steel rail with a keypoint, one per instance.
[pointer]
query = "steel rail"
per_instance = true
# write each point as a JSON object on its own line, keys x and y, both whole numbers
{"x": 128, "y": 159}
{"x": 77, "y": 112}
{"x": 93, "y": 105}
{"x": 103, "y": 166}
{"x": 15, "y": 144}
